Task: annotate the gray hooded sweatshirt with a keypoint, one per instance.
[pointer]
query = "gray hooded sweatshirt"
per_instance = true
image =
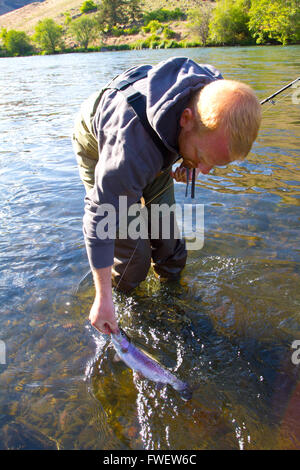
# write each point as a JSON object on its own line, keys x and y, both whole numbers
{"x": 128, "y": 159}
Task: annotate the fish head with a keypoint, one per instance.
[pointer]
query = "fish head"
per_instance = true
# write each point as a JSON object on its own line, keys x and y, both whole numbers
{"x": 120, "y": 340}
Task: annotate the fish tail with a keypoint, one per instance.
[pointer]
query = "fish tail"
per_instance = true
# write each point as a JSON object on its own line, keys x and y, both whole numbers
{"x": 187, "y": 393}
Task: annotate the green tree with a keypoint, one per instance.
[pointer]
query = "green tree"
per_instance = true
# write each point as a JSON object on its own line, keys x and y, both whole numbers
{"x": 16, "y": 43}
{"x": 88, "y": 6}
{"x": 84, "y": 30}
{"x": 199, "y": 22}
{"x": 229, "y": 23}
{"x": 117, "y": 12}
{"x": 279, "y": 20}
{"x": 134, "y": 10}
{"x": 111, "y": 13}
{"x": 48, "y": 35}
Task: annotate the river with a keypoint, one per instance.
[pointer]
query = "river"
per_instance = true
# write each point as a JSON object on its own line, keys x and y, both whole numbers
{"x": 228, "y": 327}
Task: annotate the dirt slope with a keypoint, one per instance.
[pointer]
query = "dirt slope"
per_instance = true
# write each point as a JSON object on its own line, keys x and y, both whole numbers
{"x": 27, "y": 17}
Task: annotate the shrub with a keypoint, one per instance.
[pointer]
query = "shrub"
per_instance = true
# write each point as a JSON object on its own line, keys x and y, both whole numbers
{"x": 152, "y": 42}
{"x": 117, "y": 47}
{"x": 168, "y": 33}
{"x": 131, "y": 31}
{"x": 116, "y": 31}
{"x": 174, "y": 44}
{"x": 163, "y": 44}
{"x": 139, "y": 44}
{"x": 163, "y": 15}
{"x": 134, "y": 10}
{"x": 153, "y": 26}
{"x": 187, "y": 44}
{"x": 88, "y": 6}
{"x": 123, "y": 47}
{"x": 16, "y": 43}
{"x": 68, "y": 17}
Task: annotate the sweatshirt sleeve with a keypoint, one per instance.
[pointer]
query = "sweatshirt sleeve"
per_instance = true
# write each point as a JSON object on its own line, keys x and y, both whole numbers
{"x": 120, "y": 171}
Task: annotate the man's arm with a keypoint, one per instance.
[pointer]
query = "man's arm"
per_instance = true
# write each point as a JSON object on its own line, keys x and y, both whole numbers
{"x": 124, "y": 171}
{"x": 102, "y": 314}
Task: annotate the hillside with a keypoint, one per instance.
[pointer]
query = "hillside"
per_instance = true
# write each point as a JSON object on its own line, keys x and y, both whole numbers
{"x": 27, "y": 17}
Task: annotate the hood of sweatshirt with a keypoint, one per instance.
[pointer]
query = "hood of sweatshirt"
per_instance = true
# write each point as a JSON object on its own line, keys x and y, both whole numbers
{"x": 170, "y": 86}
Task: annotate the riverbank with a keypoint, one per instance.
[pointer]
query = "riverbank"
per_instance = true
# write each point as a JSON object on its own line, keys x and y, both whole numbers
{"x": 128, "y": 47}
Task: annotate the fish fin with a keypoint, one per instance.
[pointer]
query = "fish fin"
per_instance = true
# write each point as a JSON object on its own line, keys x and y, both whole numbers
{"x": 138, "y": 375}
{"x": 116, "y": 358}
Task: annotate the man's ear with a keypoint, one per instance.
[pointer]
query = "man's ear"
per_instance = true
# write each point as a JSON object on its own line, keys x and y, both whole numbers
{"x": 187, "y": 119}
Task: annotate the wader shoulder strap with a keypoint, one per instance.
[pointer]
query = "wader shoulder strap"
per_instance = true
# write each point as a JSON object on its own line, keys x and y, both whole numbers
{"x": 138, "y": 103}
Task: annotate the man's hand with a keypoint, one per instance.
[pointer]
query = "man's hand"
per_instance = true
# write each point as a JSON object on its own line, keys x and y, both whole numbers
{"x": 179, "y": 174}
{"x": 102, "y": 314}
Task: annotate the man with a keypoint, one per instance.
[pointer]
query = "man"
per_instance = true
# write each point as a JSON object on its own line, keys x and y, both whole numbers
{"x": 206, "y": 120}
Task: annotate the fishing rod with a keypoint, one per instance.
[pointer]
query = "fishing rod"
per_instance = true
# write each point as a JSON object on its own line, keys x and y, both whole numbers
{"x": 279, "y": 91}
{"x": 270, "y": 98}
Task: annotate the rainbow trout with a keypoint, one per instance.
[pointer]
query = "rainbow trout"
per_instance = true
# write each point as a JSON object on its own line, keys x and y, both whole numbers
{"x": 141, "y": 362}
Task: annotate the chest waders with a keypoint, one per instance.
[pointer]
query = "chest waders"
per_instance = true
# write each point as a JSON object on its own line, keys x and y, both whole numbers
{"x": 132, "y": 258}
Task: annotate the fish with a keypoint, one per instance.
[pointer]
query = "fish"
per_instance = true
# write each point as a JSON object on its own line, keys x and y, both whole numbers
{"x": 146, "y": 366}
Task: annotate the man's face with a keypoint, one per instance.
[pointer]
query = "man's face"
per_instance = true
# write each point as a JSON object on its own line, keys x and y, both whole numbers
{"x": 203, "y": 151}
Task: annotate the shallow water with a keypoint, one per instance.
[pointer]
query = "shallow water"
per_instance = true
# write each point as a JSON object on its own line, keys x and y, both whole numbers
{"x": 228, "y": 326}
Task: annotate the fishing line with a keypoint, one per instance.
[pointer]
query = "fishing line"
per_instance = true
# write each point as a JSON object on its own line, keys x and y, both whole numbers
{"x": 269, "y": 98}
{"x": 274, "y": 102}
{"x": 81, "y": 280}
